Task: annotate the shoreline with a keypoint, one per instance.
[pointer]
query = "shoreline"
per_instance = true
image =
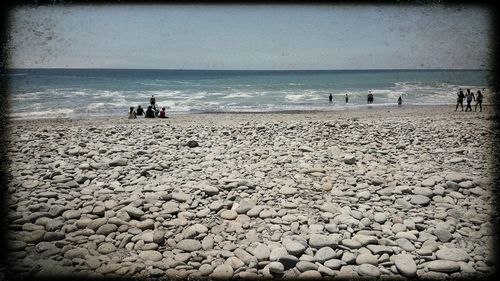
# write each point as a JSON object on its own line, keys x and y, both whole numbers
{"x": 338, "y": 111}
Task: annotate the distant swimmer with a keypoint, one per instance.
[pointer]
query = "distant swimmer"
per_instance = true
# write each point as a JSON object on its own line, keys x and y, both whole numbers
{"x": 479, "y": 100}
{"x": 470, "y": 97}
{"x": 460, "y": 99}
{"x": 346, "y": 98}
{"x": 400, "y": 100}
{"x": 330, "y": 97}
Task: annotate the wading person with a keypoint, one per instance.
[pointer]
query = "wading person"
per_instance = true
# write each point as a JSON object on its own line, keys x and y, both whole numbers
{"x": 460, "y": 99}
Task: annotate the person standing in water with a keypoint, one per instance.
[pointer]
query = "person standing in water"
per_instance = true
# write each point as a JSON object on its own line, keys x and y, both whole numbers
{"x": 460, "y": 99}
{"x": 400, "y": 100}
{"x": 330, "y": 98}
{"x": 470, "y": 97}
{"x": 479, "y": 100}
{"x": 346, "y": 98}
{"x": 152, "y": 100}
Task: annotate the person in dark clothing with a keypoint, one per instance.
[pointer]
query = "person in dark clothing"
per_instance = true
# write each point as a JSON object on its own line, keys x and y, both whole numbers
{"x": 479, "y": 100}
{"x": 346, "y": 98}
{"x": 140, "y": 111}
{"x": 330, "y": 98}
{"x": 470, "y": 97}
{"x": 150, "y": 113}
{"x": 460, "y": 99}
{"x": 152, "y": 100}
{"x": 370, "y": 97}
{"x": 400, "y": 100}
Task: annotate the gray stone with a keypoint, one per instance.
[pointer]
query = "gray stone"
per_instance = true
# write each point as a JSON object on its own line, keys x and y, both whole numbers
{"x": 334, "y": 264}
{"x": 452, "y": 254}
{"x": 229, "y": 214}
{"x": 151, "y": 255}
{"x": 211, "y": 190}
{"x": 288, "y": 261}
{"x": 276, "y": 267}
{"x": 261, "y": 252}
{"x": 223, "y": 271}
{"x": 133, "y": 211}
{"x": 366, "y": 259}
{"x": 293, "y": 247}
{"x": 324, "y": 254}
{"x": 369, "y": 270}
{"x": 189, "y": 245}
{"x": 405, "y": 265}
{"x": 319, "y": 241}
{"x": 106, "y": 248}
{"x": 106, "y": 229}
{"x": 420, "y": 200}
{"x": 119, "y": 161}
{"x": 444, "y": 266}
{"x": 277, "y": 252}
{"x": 351, "y": 243}
{"x": 303, "y": 266}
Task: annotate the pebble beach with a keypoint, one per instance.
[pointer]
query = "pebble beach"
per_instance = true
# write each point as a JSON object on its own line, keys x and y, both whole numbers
{"x": 376, "y": 192}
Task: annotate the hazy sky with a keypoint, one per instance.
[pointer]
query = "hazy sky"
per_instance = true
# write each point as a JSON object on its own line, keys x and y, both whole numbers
{"x": 251, "y": 37}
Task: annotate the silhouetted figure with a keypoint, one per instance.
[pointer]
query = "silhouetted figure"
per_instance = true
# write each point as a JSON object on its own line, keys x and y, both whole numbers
{"x": 330, "y": 98}
{"x": 470, "y": 97}
{"x": 131, "y": 113}
{"x": 370, "y": 97}
{"x": 152, "y": 100}
{"x": 149, "y": 112}
{"x": 479, "y": 100}
{"x": 346, "y": 98}
{"x": 460, "y": 99}
{"x": 400, "y": 100}
{"x": 140, "y": 111}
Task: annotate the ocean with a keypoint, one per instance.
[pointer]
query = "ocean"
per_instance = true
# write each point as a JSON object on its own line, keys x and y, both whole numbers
{"x": 41, "y": 93}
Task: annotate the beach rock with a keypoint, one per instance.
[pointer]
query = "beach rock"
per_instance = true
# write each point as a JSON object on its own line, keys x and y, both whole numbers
{"x": 293, "y": 247}
{"x": 349, "y": 159}
{"x": 444, "y": 266}
{"x": 319, "y": 241}
{"x": 106, "y": 229}
{"x": 405, "y": 265}
{"x": 261, "y": 252}
{"x": 150, "y": 255}
{"x": 223, "y": 271}
{"x": 210, "y": 190}
{"x": 229, "y": 215}
{"x": 192, "y": 144}
{"x": 324, "y": 254}
{"x": 133, "y": 211}
{"x": 303, "y": 266}
{"x": 118, "y": 162}
{"x": 334, "y": 264}
{"x": 276, "y": 267}
{"x": 189, "y": 245}
{"x": 288, "y": 261}
{"x": 106, "y": 248}
{"x": 277, "y": 252}
{"x": 369, "y": 270}
{"x": 452, "y": 254}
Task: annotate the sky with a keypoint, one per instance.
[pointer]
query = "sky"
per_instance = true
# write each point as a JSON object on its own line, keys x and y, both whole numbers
{"x": 246, "y": 37}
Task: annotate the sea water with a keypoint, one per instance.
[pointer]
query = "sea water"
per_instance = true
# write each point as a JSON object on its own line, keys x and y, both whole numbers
{"x": 38, "y": 93}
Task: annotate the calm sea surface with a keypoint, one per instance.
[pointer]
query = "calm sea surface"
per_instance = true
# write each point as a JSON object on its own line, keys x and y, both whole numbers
{"x": 89, "y": 92}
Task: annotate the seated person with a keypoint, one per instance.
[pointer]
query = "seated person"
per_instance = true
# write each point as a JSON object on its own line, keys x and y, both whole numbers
{"x": 140, "y": 111}
{"x": 162, "y": 113}
{"x": 150, "y": 113}
{"x": 131, "y": 113}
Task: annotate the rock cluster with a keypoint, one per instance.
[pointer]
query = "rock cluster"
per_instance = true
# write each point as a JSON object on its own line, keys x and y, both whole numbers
{"x": 265, "y": 196}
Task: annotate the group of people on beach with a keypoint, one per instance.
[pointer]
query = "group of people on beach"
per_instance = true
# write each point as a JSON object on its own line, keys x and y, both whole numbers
{"x": 469, "y": 96}
{"x": 151, "y": 112}
{"x": 369, "y": 98}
